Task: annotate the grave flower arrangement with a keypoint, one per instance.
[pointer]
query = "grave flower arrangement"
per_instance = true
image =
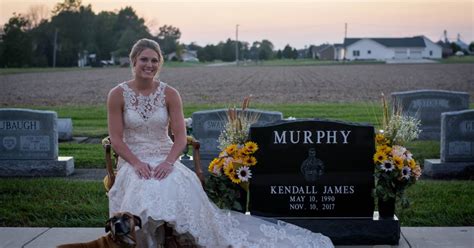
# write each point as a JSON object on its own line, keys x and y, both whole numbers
{"x": 231, "y": 170}
{"x": 395, "y": 167}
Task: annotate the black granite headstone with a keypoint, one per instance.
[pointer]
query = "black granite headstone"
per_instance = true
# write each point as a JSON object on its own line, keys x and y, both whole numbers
{"x": 313, "y": 168}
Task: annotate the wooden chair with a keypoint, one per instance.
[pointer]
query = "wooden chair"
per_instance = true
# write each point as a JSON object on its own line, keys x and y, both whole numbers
{"x": 111, "y": 164}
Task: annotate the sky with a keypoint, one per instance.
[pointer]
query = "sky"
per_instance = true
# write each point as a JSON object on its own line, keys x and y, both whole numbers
{"x": 298, "y": 23}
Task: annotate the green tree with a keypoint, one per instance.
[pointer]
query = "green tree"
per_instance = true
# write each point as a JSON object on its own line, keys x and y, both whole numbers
{"x": 17, "y": 47}
{"x": 168, "y": 38}
{"x": 287, "y": 52}
{"x": 43, "y": 44}
{"x": 75, "y": 34}
{"x": 279, "y": 54}
{"x": 265, "y": 50}
{"x": 208, "y": 53}
{"x": 471, "y": 47}
{"x": 228, "y": 51}
{"x": 128, "y": 29}
{"x": 294, "y": 53}
{"x": 68, "y": 5}
{"x": 105, "y": 38}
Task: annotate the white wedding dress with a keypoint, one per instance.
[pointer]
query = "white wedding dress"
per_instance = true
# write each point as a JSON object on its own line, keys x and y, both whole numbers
{"x": 179, "y": 198}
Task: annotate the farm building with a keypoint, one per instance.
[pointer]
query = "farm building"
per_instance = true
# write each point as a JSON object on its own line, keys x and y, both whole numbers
{"x": 327, "y": 52}
{"x": 417, "y": 47}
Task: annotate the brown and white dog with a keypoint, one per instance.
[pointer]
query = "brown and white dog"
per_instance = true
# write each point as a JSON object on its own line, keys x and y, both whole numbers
{"x": 121, "y": 233}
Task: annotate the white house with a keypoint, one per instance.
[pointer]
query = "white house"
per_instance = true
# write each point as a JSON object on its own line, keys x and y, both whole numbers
{"x": 417, "y": 47}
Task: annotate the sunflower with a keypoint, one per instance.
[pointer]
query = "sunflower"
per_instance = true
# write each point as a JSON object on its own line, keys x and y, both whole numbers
{"x": 250, "y": 147}
{"x": 380, "y": 156}
{"x": 380, "y": 139}
{"x": 231, "y": 149}
{"x": 229, "y": 170}
{"x": 244, "y": 173}
{"x": 412, "y": 163}
{"x": 213, "y": 163}
{"x": 398, "y": 161}
{"x": 384, "y": 148}
{"x": 250, "y": 160}
{"x": 235, "y": 178}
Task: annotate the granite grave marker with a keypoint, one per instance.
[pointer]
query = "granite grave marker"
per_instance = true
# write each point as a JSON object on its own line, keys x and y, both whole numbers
{"x": 427, "y": 105}
{"x": 29, "y": 144}
{"x": 457, "y": 147}
{"x": 313, "y": 168}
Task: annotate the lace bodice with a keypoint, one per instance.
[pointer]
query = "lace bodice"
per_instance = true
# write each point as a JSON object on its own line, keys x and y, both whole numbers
{"x": 146, "y": 121}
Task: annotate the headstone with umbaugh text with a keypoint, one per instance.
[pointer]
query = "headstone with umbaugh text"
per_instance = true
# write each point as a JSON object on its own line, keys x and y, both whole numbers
{"x": 29, "y": 144}
{"x": 208, "y": 124}
{"x": 457, "y": 147}
{"x": 427, "y": 105}
{"x": 318, "y": 174}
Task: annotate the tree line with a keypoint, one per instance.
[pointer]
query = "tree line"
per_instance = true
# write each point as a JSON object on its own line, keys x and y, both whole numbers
{"x": 74, "y": 30}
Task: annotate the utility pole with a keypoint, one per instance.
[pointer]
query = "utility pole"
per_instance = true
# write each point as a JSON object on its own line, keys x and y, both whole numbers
{"x": 55, "y": 47}
{"x": 237, "y": 44}
{"x": 344, "y": 42}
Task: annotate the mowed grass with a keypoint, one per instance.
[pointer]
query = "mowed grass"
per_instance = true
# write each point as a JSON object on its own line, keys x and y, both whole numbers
{"x": 66, "y": 203}
{"x": 458, "y": 59}
{"x": 52, "y": 202}
{"x": 439, "y": 203}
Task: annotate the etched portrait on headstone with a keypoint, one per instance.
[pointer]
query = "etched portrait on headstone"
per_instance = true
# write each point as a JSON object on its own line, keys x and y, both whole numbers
{"x": 312, "y": 168}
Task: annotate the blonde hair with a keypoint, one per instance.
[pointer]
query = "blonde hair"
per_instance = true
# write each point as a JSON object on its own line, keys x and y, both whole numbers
{"x": 141, "y": 45}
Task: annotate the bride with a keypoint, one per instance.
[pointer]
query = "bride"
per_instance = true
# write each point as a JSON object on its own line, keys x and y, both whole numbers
{"x": 154, "y": 185}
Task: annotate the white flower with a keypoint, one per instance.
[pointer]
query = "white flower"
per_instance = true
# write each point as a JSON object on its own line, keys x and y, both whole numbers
{"x": 227, "y": 161}
{"x": 189, "y": 122}
{"x": 406, "y": 172}
{"x": 399, "y": 151}
{"x": 291, "y": 118}
{"x": 409, "y": 155}
{"x": 244, "y": 173}
{"x": 387, "y": 165}
{"x": 217, "y": 171}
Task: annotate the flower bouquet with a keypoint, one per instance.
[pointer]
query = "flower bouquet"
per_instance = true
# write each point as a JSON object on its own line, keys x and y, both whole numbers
{"x": 395, "y": 166}
{"x": 230, "y": 171}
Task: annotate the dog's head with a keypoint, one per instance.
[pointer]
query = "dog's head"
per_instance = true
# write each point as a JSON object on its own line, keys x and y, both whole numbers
{"x": 122, "y": 227}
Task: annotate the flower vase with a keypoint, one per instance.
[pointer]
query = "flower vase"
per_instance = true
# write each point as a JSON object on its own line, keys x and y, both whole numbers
{"x": 386, "y": 208}
{"x": 241, "y": 199}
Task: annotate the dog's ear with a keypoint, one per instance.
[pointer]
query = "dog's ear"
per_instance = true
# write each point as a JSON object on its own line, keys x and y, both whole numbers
{"x": 138, "y": 221}
{"x": 108, "y": 225}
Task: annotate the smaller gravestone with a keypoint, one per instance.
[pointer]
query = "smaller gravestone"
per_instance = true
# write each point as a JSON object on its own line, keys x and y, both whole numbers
{"x": 208, "y": 124}
{"x": 457, "y": 147}
{"x": 427, "y": 105}
{"x": 29, "y": 144}
{"x": 64, "y": 129}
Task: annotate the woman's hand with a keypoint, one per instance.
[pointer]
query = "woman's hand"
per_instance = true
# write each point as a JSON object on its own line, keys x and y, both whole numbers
{"x": 162, "y": 170}
{"x": 143, "y": 170}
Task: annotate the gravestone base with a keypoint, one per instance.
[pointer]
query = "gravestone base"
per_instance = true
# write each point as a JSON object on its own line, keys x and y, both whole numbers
{"x": 352, "y": 231}
{"x": 63, "y": 166}
{"x": 436, "y": 169}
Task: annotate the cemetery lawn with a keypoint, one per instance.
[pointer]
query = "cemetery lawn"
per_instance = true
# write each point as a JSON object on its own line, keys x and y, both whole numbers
{"x": 53, "y": 202}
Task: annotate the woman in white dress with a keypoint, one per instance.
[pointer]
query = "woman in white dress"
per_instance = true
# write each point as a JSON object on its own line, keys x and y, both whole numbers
{"x": 154, "y": 185}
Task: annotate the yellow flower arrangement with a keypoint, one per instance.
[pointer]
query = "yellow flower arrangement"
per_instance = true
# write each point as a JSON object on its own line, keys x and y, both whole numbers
{"x": 233, "y": 158}
{"x": 230, "y": 171}
{"x": 395, "y": 167}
